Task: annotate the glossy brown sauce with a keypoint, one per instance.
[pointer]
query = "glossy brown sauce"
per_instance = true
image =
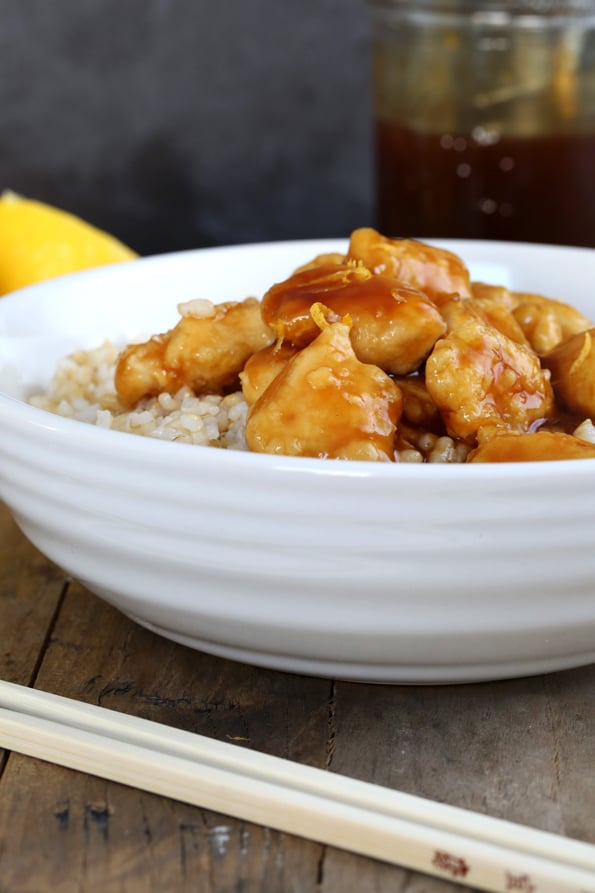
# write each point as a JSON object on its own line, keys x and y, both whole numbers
{"x": 343, "y": 288}
{"x": 537, "y": 189}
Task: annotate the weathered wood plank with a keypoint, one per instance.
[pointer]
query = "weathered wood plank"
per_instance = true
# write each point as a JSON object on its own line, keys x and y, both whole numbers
{"x": 498, "y": 748}
{"x": 31, "y": 589}
{"x": 523, "y": 750}
{"x": 30, "y": 592}
{"x": 570, "y": 714}
{"x": 97, "y": 655}
{"x": 102, "y": 836}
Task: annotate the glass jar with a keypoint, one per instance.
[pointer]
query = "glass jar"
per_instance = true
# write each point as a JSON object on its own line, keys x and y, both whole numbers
{"x": 485, "y": 119}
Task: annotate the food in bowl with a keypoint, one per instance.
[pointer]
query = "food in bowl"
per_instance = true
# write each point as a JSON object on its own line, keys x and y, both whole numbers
{"x": 389, "y": 352}
{"x": 376, "y": 571}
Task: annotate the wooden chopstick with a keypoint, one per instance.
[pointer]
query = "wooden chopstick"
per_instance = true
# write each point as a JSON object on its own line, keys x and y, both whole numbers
{"x": 444, "y": 841}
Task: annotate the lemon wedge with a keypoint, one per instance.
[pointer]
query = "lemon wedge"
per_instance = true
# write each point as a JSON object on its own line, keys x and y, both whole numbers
{"x": 38, "y": 242}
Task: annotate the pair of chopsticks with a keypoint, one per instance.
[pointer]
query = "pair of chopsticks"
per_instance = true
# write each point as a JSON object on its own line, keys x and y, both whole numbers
{"x": 444, "y": 841}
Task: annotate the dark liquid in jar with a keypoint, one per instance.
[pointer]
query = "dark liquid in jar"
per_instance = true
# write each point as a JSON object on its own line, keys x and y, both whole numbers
{"x": 537, "y": 189}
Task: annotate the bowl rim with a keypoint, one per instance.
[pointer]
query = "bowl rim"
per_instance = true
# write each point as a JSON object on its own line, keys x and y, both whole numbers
{"x": 122, "y": 443}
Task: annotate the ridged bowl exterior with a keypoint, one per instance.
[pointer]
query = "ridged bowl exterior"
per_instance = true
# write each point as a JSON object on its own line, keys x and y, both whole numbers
{"x": 389, "y": 573}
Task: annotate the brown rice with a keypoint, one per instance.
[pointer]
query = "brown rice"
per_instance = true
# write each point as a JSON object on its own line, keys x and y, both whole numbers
{"x": 82, "y": 388}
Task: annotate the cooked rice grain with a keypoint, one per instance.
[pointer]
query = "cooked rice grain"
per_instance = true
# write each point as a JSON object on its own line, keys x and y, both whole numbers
{"x": 82, "y": 388}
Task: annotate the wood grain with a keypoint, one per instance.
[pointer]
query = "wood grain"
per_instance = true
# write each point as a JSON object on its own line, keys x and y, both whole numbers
{"x": 523, "y": 750}
{"x": 30, "y": 592}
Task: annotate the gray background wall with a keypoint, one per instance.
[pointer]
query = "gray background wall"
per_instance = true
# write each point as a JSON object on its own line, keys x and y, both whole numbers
{"x": 182, "y": 123}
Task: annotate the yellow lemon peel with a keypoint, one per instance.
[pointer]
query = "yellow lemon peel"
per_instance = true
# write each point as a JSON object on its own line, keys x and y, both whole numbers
{"x": 39, "y": 242}
{"x": 324, "y": 317}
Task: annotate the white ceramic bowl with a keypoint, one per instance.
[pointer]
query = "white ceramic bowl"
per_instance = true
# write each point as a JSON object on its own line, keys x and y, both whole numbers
{"x": 389, "y": 573}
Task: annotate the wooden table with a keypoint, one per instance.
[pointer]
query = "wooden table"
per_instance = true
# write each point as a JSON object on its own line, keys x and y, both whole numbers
{"x": 522, "y": 750}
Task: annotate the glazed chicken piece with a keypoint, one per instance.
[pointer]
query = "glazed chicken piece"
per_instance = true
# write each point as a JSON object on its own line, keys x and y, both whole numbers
{"x": 542, "y": 446}
{"x": 498, "y": 294}
{"x": 479, "y": 379}
{"x": 205, "y": 351}
{"x": 418, "y": 407}
{"x": 264, "y": 366}
{"x": 434, "y": 271}
{"x": 393, "y": 327}
{"x": 326, "y": 403}
{"x": 457, "y": 310}
{"x": 497, "y": 304}
{"x": 536, "y": 320}
{"x": 488, "y": 308}
{"x": 572, "y": 365}
{"x": 546, "y": 322}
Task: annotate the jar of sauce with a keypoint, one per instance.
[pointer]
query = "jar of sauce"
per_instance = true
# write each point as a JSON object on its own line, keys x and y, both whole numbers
{"x": 485, "y": 119}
